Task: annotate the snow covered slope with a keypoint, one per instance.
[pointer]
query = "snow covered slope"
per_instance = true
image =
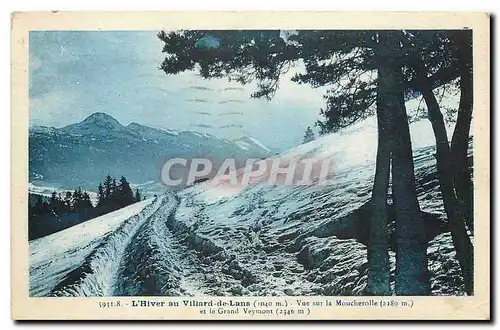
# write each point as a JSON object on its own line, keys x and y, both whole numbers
{"x": 251, "y": 143}
{"x": 219, "y": 239}
{"x": 309, "y": 240}
{"x": 53, "y": 257}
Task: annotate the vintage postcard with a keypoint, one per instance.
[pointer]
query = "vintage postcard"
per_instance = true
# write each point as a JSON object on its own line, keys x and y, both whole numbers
{"x": 250, "y": 166}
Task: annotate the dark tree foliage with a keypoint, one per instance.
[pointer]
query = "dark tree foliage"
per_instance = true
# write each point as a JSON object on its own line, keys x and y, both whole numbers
{"x": 100, "y": 195}
{"x": 113, "y": 196}
{"x": 342, "y": 61}
{"x": 347, "y": 63}
{"x": 108, "y": 189}
{"x": 39, "y": 207}
{"x": 125, "y": 194}
{"x": 308, "y": 135}
{"x": 137, "y": 196}
{"x": 57, "y": 212}
{"x": 336, "y": 59}
{"x": 51, "y": 214}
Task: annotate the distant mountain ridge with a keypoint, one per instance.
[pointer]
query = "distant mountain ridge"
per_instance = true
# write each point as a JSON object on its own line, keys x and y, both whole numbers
{"x": 81, "y": 154}
{"x": 97, "y": 124}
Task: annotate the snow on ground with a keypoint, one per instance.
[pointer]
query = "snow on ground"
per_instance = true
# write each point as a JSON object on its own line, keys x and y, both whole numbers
{"x": 156, "y": 263}
{"x": 53, "y": 257}
{"x": 308, "y": 240}
{"x": 149, "y": 189}
{"x": 217, "y": 239}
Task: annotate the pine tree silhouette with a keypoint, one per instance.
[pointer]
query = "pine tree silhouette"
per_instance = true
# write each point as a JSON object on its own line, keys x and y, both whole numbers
{"x": 309, "y": 135}
{"x": 67, "y": 201}
{"x": 126, "y": 196}
{"x": 100, "y": 195}
{"x": 137, "y": 195}
{"x": 107, "y": 187}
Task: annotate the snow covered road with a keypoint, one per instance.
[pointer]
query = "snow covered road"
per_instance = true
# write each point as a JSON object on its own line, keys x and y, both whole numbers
{"x": 80, "y": 260}
{"x": 129, "y": 252}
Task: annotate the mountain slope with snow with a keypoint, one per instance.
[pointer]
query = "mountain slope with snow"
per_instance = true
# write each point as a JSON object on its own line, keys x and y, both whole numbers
{"x": 311, "y": 240}
{"x": 219, "y": 239}
{"x": 99, "y": 124}
{"x": 251, "y": 143}
{"x": 82, "y": 154}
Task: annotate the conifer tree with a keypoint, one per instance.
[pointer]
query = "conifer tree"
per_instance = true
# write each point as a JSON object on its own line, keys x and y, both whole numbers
{"x": 309, "y": 135}
{"x": 137, "y": 195}
{"x": 126, "y": 196}
{"x": 341, "y": 61}
{"x": 53, "y": 198}
{"x": 108, "y": 187}
{"x": 37, "y": 208}
{"x": 67, "y": 201}
{"x": 100, "y": 195}
{"x": 87, "y": 207}
{"x": 115, "y": 195}
{"x": 76, "y": 200}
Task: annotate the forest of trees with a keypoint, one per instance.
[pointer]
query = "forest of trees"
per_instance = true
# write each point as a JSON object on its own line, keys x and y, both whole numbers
{"x": 63, "y": 210}
{"x": 112, "y": 195}
{"x": 366, "y": 72}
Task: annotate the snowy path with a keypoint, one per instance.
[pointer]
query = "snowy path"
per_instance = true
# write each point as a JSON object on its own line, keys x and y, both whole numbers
{"x": 157, "y": 263}
{"x": 57, "y": 258}
{"x": 155, "y": 253}
{"x": 141, "y": 256}
{"x": 97, "y": 275}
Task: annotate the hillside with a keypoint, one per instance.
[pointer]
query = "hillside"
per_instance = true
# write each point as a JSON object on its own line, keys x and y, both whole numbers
{"x": 310, "y": 240}
{"x": 259, "y": 240}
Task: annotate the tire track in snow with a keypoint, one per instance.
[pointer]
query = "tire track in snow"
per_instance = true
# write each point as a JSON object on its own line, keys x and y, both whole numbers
{"x": 157, "y": 263}
{"x": 97, "y": 275}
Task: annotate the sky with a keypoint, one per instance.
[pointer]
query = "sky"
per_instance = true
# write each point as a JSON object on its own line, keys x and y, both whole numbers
{"x": 76, "y": 73}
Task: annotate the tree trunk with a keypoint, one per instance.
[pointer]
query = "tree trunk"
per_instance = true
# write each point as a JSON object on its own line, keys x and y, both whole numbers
{"x": 461, "y": 240}
{"x": 412, "y": 277}
{"x": 460, "y": 140}
{"x": 378, "y": 255}
{"x": 411, "y": 251}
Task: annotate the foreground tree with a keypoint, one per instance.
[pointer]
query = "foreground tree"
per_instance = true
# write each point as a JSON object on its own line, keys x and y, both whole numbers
{"x": 460, "y": 141}
{"x": 435, "y": 60}
{"x": 411, "y": 253}
{"x": 340, "y": 60}
{"x": 430, "y": 59}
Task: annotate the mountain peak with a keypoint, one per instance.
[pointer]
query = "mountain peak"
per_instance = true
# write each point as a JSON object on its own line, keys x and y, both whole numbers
{"x": 101, "y": 119}
{"x": 98, "y": 123}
